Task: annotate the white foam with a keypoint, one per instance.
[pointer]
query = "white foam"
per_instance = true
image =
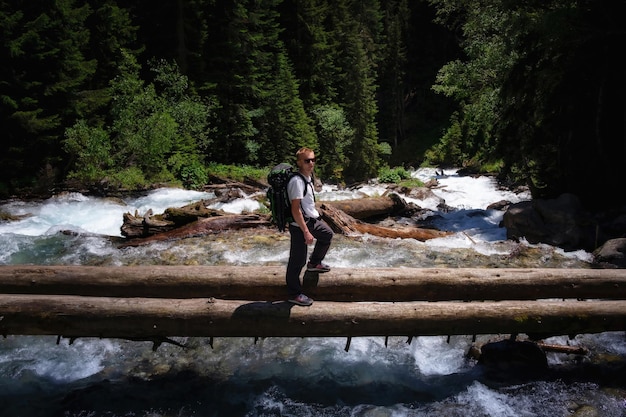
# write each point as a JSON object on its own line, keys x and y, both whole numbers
{"x": 62, "y": 361}
{"x": 490, "y": 402}
{"x": 237, "y": 206}
{"x": 435, "y": 356}
{"x": 74, "y": 211}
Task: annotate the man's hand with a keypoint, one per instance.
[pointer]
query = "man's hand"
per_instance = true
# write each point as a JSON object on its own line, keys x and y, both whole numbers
{"x": 308, "y": 237}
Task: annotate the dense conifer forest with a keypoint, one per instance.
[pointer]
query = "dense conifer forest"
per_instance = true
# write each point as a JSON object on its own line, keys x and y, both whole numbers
{"x": 114, "y": 93}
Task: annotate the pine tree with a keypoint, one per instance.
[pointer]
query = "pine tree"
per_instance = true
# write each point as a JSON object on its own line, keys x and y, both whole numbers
{"x": 392, "y": 73}
{"x": 315, "y": 52}
{"x": 261, "y": 119}
{"x": 44, "y": 68}
{"x": 357, "y": 26}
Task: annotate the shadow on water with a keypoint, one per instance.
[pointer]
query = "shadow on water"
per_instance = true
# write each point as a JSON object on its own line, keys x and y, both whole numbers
{"x": 258, "y": 388}
{"x": 199, "y": 395}
{"x": 187, "y": 393}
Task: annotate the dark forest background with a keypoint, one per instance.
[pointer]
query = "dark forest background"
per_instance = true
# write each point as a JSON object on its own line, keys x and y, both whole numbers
{"x": 121, "y": 93}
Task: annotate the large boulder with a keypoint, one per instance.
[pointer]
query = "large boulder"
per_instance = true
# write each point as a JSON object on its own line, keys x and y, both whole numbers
{"x": 560, "y": 222}
{"x": 512, "y": 358}
{"x": 612, "y": 254}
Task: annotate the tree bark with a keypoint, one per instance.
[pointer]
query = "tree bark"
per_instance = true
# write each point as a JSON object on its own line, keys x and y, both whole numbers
{"x": 570, "y": 350}
{"x": 369, "y": 207}
{"x": 348, "y": 225}
{"x": 163, "y": 301}
{"x": 80, "y": 316}
{"x": 353, "y": 284}
{"x": 136, "y": 226}
{"x": 203, "y": 227}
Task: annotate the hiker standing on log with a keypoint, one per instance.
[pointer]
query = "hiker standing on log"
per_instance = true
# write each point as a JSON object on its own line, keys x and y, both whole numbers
{"x": 306, "y": 226}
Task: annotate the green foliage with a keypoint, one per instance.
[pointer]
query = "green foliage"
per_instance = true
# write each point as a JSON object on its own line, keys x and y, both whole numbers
{"x": 131, "y": 178}
{"x": 285, "y": 126}
{"x": 316, "y": 50}
{"x": 156, "y": 129}
{"x": 91, "y": 149}
{"x": 492, "y": 166}
{"x": 43, "y": 49}
{"x": 360, "y": 24}
{"x": 393, "y": 72}
{"x": 193, "y": 176}
{"x": 448, "y": 150}
{"x": 384, "y": 148}
{"x": 536, "y": 88}
{"x": 261, "y": 79}
{"x": 393, "y": 175}
{"x": 532, "y": 94}
{"x": 411, "y": 183}
{"x": 335, "y": 136}
{"x": 253, "y": 149}
{"x": 189, "y": 170}
{"x": 474, "y": 82}
{"x": 560, "y": 128}
{"x": 188, "y": 110}
{"x": 237, "y": 172}
{"x": 260, "y": 116}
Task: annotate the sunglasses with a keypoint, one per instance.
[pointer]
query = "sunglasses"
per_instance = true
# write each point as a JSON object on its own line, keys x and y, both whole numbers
{"x": 309, "y": 160}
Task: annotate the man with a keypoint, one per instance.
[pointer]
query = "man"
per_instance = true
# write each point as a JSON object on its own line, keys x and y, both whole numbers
{"x": 305, "y": 227}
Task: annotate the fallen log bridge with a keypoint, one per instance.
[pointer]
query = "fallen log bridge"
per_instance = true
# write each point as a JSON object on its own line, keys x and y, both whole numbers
{"x": 224, "y": 301}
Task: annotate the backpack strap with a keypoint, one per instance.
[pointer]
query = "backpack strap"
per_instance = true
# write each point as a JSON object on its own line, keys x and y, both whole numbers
{"x": 306, "y": 188}
{"x": 306, "y": 184}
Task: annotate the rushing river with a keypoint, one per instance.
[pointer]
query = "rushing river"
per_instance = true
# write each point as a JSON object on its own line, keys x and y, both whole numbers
{"x": 430, "y": 376}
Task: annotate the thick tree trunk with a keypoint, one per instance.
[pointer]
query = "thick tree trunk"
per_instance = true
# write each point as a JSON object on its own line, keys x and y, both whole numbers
{"x": 80, "y": 316}
{"x": 368, "y": 207}
{"x": 149, "y": 302}
{"x": 203, "y": 227}
{"x": 348, "y": 225}
{"x": 353, "y": 284}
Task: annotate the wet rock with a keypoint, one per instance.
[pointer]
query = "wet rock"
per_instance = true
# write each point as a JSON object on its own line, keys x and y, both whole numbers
{"x": 586, "y": 411}
{"x": 611, "y": 254}
{"x": 8, "y": 217}
{"x": 558, "y": 222}
{"x": 513, "y": 357}
{"x": 501, "y": 205}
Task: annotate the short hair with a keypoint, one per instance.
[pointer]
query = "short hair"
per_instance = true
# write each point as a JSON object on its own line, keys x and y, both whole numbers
{"x": 303, "y": 150}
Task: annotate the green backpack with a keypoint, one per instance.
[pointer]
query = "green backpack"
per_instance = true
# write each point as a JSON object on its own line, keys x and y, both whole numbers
{"x": 280, "y": 205}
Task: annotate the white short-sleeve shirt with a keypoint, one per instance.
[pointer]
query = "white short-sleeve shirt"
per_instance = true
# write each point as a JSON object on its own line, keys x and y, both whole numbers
{"x": 295, "y": 190}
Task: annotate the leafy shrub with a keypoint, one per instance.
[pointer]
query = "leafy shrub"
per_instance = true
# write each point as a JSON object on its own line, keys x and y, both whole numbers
{"x": 411, "y": 183}
{"x": 334, "y": 136}
{"x": 393, "y": 175}
{"x": 129, "y": 179}
{"x": 236, "y": 172}
{"x": 157, "y": 132}
{"x": 194, "y": 175}
{"x": 492, "y": 166}
{"x": 91, "y": 148}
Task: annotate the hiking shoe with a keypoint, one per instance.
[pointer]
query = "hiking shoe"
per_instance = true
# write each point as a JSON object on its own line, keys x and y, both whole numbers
{"x": 320, "y": 267}
{"x": 301, "y": 300}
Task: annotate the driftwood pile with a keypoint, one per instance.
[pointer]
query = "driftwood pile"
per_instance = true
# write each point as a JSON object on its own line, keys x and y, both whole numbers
{"x": 348, "y": 217}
